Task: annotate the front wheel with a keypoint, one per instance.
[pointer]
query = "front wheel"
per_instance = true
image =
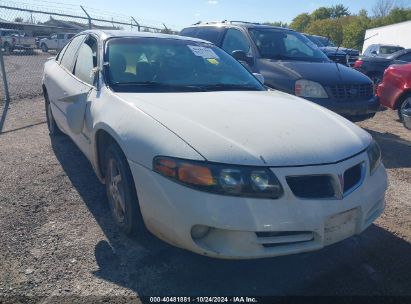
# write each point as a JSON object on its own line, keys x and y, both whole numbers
{"x": 44, "y": 48}
{"x": 121, "y": 192}
{"x": 404, "y": 104}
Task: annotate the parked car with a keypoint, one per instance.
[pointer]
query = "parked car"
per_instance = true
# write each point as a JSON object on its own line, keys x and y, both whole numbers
{"x": 334, "y": 53}
{"x": 374, "y": 67}
{"x": 190, "y": 144}
{"x": 395, "y": 89}
{"x": 381, "y": 50}
{"x": 55, "y": 41}
{"x": 328, "y": 47}
{"x": 11, "y": 40}
{"x": 290, "y": 63}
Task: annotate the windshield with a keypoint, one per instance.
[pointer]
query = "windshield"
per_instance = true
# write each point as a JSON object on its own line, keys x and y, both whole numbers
{"x": 387, "y": 50}
{"x": 315, "y": 40}
{"x": 172, "y": 65}
{"x": 286, "y": 45}
{"x": 325, "y": 41}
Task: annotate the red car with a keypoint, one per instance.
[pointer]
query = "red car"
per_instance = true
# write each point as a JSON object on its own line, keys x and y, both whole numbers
{"x": 395, "y": 89}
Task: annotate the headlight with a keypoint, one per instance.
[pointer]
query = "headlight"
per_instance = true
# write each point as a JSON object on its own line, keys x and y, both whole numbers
{"x": 374, "y": 156}
{"x": 230, "y": 180}
{"x": 307, "y": 88}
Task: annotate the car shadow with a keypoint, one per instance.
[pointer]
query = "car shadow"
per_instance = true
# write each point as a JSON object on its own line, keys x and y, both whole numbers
{"x": 396, "y": 151}
{"x": 373, "y": 263}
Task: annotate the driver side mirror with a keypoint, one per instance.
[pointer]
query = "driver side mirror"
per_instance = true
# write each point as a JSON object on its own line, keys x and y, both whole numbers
{"x": 374, "y": 53}
{"x": 242, "y": 56}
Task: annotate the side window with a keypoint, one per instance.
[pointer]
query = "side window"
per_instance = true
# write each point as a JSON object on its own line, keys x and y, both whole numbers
{"x": 61, "y": 53}
{"x": 234, "y": 40}
{"x": 60, "y": 36}
{"x": 86, "y": 60}
{"x": 209, "y": 33}
{"x": 405, "y": 57}
{"x": 69, "y": 36}
{"x": 69, "y": 55}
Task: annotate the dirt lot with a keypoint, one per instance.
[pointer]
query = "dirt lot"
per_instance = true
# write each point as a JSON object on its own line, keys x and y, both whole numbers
{"x": 57, "y": 238}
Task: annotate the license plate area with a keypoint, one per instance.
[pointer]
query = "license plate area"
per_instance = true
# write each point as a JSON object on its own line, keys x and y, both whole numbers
{"x": 340, "y": 226}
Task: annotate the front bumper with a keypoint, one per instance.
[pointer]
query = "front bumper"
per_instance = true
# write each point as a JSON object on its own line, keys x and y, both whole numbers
{"x": 350, "y": 108}
{"x": 243, "y": 228}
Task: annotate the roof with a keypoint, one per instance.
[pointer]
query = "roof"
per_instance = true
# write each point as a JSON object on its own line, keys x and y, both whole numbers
{"x": 242, "y": 24}
{"x": 106, "y": 34}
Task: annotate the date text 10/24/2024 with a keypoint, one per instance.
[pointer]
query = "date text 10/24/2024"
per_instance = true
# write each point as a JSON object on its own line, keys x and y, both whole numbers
{"x": 203, "y": 300}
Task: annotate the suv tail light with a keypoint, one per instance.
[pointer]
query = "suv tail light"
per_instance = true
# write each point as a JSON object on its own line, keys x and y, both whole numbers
{"x": 358, "y": 64}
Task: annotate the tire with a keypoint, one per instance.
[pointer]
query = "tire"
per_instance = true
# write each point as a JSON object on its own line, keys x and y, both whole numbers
{"x": 121, "y": 192}
{"x": 44, "y": 48}
{"x": 8, "y": 49}
{"x": 54, "y": 130}
{"x": 404, "y": 103}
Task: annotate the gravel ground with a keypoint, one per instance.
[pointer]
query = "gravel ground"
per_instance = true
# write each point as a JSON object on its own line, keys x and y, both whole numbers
{"x": 58, "y": 241}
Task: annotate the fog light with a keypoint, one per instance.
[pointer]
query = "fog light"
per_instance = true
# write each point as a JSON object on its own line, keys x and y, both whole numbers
{"x": 199, "y": 231}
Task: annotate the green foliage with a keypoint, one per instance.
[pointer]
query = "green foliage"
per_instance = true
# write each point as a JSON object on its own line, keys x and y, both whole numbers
{"x": 339, "y": 10}
{"x": 301, "y": 22}
{"x": 340, "y": 26}
{"x": 276, "y": 23}
{"x": 322, "y": 13}
{"x": 330, "y": 28}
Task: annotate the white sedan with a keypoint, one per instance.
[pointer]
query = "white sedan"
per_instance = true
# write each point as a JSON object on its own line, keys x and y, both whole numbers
{"x": 193, "y": 147}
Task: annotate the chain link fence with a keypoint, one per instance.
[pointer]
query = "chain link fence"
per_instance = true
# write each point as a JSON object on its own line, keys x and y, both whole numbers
{"x": 31, "y": 35}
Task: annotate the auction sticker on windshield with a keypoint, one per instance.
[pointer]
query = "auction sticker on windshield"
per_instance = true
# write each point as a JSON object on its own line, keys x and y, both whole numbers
{"x": 204, "y": 52}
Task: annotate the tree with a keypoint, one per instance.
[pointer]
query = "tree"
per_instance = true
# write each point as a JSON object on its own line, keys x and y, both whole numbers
{"x": 18, "y": 19}
{"x": 301, "y": 22}
{"x": 321, "y": 13}
{"x": 383, "y": 7}
{"x": 276, "y": 23}
{"x": 339, "y": 10}
{"x": 354, "y": 31}
{"x": 330, "y": 28}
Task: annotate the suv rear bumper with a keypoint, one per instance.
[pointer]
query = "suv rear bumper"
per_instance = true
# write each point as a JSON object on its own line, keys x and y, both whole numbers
{"x": 350, "y": 108}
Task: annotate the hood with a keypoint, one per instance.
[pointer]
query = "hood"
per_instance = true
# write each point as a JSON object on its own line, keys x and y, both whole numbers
{"x": 332, "y": 51}
{"x": 326, "y": 73}
{"x": 254, "y": 128}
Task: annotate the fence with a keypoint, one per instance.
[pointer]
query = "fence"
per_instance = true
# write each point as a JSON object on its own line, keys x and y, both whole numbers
{"x": 25, "y": 48}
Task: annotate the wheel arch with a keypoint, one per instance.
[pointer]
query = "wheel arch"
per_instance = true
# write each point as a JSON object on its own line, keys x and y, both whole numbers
{"x": 103, "y": 136}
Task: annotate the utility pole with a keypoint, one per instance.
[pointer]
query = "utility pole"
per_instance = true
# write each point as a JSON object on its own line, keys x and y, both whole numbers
{"x": 88, "y": 16}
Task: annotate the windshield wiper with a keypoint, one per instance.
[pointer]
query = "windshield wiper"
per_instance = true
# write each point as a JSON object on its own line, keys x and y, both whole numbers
{"x": 155, "y": 84}
{"x": 230, "y": 87}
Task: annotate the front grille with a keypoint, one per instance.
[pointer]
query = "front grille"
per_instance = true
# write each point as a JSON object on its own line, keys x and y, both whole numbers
{"x": 312, "y": 186}
{"x": 351, "y": 91}
{"x": 352, "y": 177}
{"x": 283, "y": 238}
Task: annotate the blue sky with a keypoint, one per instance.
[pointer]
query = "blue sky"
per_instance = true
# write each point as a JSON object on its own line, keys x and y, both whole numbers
{"x": 179, "y": 13}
